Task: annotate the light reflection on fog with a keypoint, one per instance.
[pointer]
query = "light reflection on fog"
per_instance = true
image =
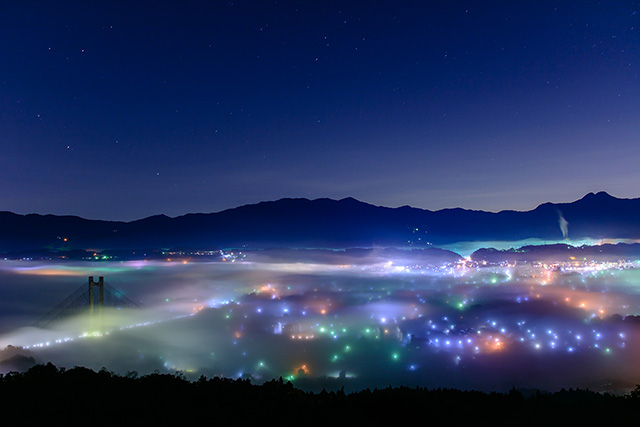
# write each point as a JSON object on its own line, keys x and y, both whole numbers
{"x": 371, "y": 325}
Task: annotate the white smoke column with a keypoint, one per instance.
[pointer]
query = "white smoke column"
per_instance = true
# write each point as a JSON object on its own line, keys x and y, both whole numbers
{"x": 564, "y": 225}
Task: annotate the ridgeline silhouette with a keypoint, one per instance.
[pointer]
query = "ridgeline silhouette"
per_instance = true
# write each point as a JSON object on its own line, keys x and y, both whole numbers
{"x": 326, "y": 223}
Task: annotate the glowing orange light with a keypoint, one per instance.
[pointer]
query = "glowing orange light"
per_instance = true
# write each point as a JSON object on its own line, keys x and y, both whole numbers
{"x": 302, "y": 368}
{"x": 269, "y": 289}
{"x": 51, "y": 272}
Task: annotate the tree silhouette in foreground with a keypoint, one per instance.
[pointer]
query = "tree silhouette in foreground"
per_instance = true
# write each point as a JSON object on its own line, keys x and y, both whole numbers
{"x": 81, "y": 395}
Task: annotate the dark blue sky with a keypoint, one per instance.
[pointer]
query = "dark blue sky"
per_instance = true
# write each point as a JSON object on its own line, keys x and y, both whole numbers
{"x": 120, "y": 110}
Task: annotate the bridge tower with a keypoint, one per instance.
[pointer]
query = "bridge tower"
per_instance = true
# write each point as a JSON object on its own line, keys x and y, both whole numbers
{"x": 100, "y": 285}
{"x": 77, "y": 303}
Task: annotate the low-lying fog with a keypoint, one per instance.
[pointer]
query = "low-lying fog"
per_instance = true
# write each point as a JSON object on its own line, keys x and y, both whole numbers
{"x": 374, "y": 325}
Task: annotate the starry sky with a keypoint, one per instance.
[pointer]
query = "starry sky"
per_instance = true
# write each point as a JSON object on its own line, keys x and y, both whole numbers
{"x": 125, "y": 109}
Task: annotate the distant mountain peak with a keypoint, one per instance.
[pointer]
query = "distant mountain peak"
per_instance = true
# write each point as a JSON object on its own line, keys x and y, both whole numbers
{"x": 599, "y": 196}
{"x": 350, "y": 199}
{"x": 591, "y": 198}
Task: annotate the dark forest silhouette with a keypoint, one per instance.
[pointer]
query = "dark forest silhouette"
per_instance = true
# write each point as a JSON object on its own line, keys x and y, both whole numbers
{"x": 81, "y": 395}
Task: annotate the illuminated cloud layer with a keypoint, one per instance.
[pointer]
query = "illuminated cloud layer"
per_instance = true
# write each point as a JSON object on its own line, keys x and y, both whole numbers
{"x": 365, "y": 325}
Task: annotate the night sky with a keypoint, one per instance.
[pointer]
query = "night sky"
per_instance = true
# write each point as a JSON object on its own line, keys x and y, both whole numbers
{"x": 121, "y": 110}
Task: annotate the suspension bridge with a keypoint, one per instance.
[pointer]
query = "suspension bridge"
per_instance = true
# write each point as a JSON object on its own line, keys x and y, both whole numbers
{"x": 91, "y": 298}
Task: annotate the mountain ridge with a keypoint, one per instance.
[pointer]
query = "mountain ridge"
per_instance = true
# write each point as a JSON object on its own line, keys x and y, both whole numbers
{"x": 324, "y": 222}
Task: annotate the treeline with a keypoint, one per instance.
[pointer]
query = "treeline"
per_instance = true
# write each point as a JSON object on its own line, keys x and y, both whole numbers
{"x": 83, "y": 396}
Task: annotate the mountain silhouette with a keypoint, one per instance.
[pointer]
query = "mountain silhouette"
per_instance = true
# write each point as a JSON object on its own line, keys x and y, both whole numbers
{"x": 326, "y": 223}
